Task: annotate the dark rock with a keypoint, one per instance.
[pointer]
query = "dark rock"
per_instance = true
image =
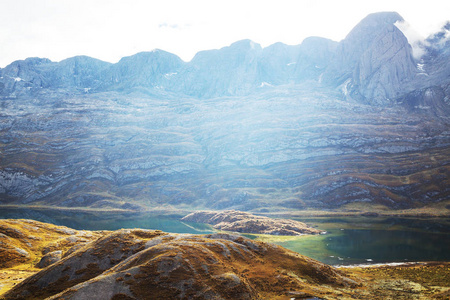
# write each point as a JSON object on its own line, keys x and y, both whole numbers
{"x": 49, "y": 259}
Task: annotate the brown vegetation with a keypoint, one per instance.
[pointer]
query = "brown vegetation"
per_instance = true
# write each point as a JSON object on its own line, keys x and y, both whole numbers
{"x": 147, "y": 264}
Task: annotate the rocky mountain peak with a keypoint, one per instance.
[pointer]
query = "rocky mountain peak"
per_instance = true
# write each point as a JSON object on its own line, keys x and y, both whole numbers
{"x": 231, "y": 70}
{"x": 276, "y": 64}
{"x": 151, "y": 69}
{"x": 374, "y": 63}
{"x": 314, "y": 55}
{"x": 245, "y": 45}
{"x": 372, "y": 24}
{"x": 23, "y": 75}
{"x": 78, "y": 71}
{"x": 385, "y": 67}
{"x": 362, "y": 36}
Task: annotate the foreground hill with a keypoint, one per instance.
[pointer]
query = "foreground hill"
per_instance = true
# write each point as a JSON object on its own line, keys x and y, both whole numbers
{"x": 144, "y": 264}
{"x": 321, "y": 125}
{"x": 148, "y": 264}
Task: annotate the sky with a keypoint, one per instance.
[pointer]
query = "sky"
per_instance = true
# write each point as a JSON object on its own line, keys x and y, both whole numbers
{"x": 111, "y": 29}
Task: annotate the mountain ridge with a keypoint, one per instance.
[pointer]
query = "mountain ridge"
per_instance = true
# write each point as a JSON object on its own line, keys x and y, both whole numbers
{"x": 374, "y": 43}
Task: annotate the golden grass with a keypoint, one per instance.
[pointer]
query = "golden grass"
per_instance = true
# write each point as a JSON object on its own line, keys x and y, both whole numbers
{"x": 270, "y": 271}
{"x": 35, "y": 239}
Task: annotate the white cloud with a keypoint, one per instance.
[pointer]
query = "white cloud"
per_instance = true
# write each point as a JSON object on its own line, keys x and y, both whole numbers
{"x": 417, "y": 41}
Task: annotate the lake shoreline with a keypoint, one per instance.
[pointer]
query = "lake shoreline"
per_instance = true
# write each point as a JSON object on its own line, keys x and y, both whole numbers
{"x": 349, "y": 240}
{"x": 440, "y": 211}
{"x": 393, "y": 280}
{"x": 392, "y": 264}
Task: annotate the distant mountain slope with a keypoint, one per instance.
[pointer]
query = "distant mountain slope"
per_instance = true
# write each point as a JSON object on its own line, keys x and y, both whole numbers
{"x": 317, "y": 125}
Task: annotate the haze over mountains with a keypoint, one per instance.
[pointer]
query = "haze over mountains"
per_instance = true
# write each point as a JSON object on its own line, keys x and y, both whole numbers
{"x": 320, "y": 124}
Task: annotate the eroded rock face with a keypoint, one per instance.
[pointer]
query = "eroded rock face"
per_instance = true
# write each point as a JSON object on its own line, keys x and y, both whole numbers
{"x": 144, "y": 264}
{"x": 385, "y": 67}
{"x": 238, "y": 221}
{"x": 284, "y": 148}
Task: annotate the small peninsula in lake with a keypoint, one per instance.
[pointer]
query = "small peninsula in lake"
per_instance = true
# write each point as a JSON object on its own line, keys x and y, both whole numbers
{"x": 243, "y": 222}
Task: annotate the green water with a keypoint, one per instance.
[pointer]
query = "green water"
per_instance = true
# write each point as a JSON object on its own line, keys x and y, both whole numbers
{"x": 359, "y": 240}
{"x": 107, "y": 221}
{"x": 352, "y": 240}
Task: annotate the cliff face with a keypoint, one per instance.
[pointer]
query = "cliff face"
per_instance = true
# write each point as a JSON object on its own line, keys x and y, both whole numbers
{"x": 385, "y": 67}
{"x": 374, "y": 62}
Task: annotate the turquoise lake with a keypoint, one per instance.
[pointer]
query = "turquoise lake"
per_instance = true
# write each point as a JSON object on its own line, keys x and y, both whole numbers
{"x": 349, "y": 240}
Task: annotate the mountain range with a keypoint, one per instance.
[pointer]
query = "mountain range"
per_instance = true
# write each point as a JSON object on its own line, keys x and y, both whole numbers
{"x": 322, "y": 124}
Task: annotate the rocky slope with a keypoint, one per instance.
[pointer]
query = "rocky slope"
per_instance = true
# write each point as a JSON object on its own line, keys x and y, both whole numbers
{"x": 317, "y": 125}
{"x": 238, "y": 221}
{"x": 288, "y": 148}
{"x": 147, "y": 264}
{"x": 28, "y": 242}
{"x": 143, "y": 264}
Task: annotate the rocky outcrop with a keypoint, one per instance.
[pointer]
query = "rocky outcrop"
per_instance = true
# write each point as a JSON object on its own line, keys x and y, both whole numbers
{"x": 431, "y": 87}
{"x": 238, "y": 221}
{"x": 23, "y": 77}
{"x": 356, "y": 43}
{"x": 23, "y": 242}
{"x": 374, "y": 62}
{"x": 80, "y": 72}
{"x": 385, "y": 68}
{"x": 49, "y": 258}
{"x": 148, "y": 264}
{"x": 144, "y": 264}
